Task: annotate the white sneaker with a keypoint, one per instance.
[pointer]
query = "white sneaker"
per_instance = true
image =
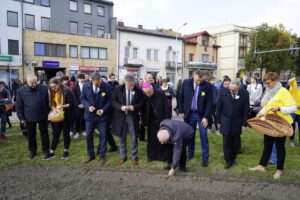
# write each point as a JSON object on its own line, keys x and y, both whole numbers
{"x": 71, "y": 133}
{"x": 96, "y": 131}
{"x": 278, "y": 174}
{"x": 208, "y": 131}
{"x": 292, "y": 143}
{"x": 258, "y": 168}
{"x": 218, "y": 132}
{"x": 76, "y": 136}
{"x": 83, "y": 133}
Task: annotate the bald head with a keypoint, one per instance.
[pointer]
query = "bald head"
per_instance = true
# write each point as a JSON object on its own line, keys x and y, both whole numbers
{"x": 32, "y": 81}
{"x": 149, "y": 78}
{"x": 163, "y": 136}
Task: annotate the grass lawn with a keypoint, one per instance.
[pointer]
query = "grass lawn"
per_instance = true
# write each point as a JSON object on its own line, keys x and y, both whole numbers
{"x": 14, "y": 154}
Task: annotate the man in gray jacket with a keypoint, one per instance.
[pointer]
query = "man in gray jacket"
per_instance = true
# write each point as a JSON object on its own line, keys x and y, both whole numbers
{"x": 178, "y": 135}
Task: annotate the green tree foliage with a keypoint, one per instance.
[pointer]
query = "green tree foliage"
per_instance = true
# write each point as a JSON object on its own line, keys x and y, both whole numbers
{"x": 270, "y": 38}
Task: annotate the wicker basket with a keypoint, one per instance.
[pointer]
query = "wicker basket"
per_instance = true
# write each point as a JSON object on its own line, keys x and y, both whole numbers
{"x": 271, "y": 125}
{"x": 56, "y": 116}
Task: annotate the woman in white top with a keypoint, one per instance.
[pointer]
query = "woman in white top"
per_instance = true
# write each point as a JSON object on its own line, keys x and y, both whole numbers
{"x": 255, "y": 92}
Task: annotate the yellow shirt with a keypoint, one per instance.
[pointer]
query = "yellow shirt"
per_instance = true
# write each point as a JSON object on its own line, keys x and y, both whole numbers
{"x": 58, "y": 100}
{"x": 281, "y": 99}
{"x": 295, "y": 92}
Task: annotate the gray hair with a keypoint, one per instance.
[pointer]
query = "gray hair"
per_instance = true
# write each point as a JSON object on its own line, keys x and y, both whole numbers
{"x": 236, "y": 82}
{"x": 31, "y": 76}
{"x": 129, "y": 78}
{"x": 59, "y": 74}
{"x": 95, "y": 76}
{"x": 200, "y": 73}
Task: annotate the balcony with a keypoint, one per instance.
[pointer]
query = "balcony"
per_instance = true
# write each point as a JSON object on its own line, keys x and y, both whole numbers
{"x": 243, "y": 44}
{"x": 133, "y": 62}
{"x": 202, "y": 65}
{"x": 172, "y": 65}
{"x": 241, "y": 63}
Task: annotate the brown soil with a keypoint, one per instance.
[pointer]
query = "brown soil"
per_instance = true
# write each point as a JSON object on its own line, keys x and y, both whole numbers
{"x": 86, "y": 183}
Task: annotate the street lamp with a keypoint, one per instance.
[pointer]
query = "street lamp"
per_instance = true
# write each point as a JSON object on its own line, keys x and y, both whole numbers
{"x": 176, "y": 55}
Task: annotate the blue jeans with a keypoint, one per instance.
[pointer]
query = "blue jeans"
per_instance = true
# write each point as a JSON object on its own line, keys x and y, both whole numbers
{"x": 192, "y": 120}
{"x": 128, "y": 127}
{"x": 102, "y": 128}
{"x": 273, "y": 157}
{"x": 3, "y": 121}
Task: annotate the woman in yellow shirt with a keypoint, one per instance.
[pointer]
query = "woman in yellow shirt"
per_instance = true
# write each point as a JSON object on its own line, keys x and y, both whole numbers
{"x": 61, "y": 98}
{"x": 276, "y": 99}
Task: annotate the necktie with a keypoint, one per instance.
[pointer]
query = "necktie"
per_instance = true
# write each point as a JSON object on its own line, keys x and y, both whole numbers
{"x": 128, "y": 98}
{"x": 194, "y": 102}
{"x": 96, "y": 90}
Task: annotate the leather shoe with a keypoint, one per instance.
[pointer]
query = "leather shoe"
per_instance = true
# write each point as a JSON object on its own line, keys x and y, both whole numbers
{"x": 102, "y": 160}
{"x": 204, "y": 164}
{"x": 135, "y": 161}
{"x": 89, "y": 160}
{"x": 122, "y": 160}
{"x": 31, "y": 155}
{"x": 229, "y": 164}
{"x": 168, "y": 167}
{"x": 184, "y": 169}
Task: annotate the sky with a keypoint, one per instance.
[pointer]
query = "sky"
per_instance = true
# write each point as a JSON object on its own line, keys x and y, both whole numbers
{"x": 198, "y": 14}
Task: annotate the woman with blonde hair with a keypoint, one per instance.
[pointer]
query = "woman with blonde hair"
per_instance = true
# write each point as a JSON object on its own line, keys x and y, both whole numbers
{"x": 61, "y": 99}
{"x": 278, "y": 100}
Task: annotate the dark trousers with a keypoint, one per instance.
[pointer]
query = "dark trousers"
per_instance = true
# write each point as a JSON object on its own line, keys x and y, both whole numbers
{"x": 153, "y": 145}
{"x": 110, "y": 139}
{"x": 31, "y": 135}
{"x": 280, "y": 147}
{"x": 8, "y": 120}
{"x": 80, "y": 123}
{"x": 213, "y": 119}
{"x": 3, "y": 120}
{"x": 296, "y": 120}
{"x": 183, "y": 156}
{"x": 142, "y": 131}
{"x": 231, "y": 145}
{"x": 102, "y": 128}
{"x": 57, "y": 128}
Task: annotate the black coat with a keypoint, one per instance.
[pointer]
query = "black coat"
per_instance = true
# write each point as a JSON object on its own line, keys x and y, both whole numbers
{"x": 32, "y": 105}
{"x": 204, "y": 102}
{"x": 71, "y": 111}
{"x": 118, "y": 100}
{"x": 232, "y": 114}
{"x": 77, "y": 93}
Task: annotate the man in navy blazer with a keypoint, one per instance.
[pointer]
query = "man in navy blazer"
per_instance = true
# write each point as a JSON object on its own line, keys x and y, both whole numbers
{"x": 232, "y": 114}
{"x": 95, "y": 97}
{"x": 195, "y": 106}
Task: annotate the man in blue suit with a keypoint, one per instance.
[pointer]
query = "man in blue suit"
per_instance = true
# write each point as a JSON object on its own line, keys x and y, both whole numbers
{"x": 95, "y": 98}
{"x": 195, "y": 106}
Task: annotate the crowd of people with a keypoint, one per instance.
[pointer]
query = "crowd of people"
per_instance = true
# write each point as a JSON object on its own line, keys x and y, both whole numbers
{"x": 150, "y": 111}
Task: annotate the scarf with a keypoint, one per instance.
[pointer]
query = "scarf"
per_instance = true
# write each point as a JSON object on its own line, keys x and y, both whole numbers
{"x": 270, "y": 93}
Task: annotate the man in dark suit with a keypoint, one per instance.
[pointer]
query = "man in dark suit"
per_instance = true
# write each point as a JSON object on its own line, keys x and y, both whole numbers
{"x": 178, "y": 134}
{"x": 95, "y": 98}
{"x": 195, "y": 107}
{"x": 127, "y": 99}
{"x": 79, "y": 123}
{"x": 232, "y": 115}
{"x": 33, "y": 108}
{"x": 153, "y": 112}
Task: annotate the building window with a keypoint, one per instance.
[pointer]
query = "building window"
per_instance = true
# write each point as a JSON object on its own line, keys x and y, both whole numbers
{"x": 205, "y": 40}
{"x": 29, "y": 1}
{"x": 73, "y": 5}
{"x": 168, "y": 56}
{"x": 13, "y": 47}
{"x": 88, "y": 8}
{"x": 44, "y": 49}
{"x": 149, "y": 54}
{"x": 74, "y": 28}
{"x": 205, "y": 57}
{"x": 127, "y": 49}
{"x": 29, "y": 21}
{"x": 100, "y": 11}
{"x": 87, "y": 29}
{"x": 73, "y": 51}
{"x": 135, "y": 53}
{"x": 100, "y": 31}
{"x": 12, "y": 18}
{"x": 174, "y": 57}
{"x": 103, "y": 54}
{"x": 93, "y": 53}
{"x": 191, "y": 57}
{"x": 45, "y": 24}
{"x": 156, "y": 55}
{"x": 45, "y": 2}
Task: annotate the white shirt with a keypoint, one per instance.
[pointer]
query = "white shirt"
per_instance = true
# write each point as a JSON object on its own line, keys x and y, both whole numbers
{"x": 127, "y": 102}
{"x": 96, "y": 89}
{"x": 80, "y": 86}
{"x": 255, "y": 92}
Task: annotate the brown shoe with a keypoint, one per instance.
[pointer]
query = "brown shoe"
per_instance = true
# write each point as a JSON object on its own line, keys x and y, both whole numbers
{"x": 89, "y": 160}
{"x": 135, "y": 161}
{"x": 122, "y": 161}
{"x": 102, "y": 160}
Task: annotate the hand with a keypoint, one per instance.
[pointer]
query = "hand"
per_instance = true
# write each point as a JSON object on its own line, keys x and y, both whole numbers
{"x": 204, "y": 122}
{"x": 298, "y": 107}
{"x": 92, "y": 108}
{"x": 171, "y": 172}
{"x": 23, "y": 122}
{"x": 219, "y": 126}
{"x": 181, "y": 115}
{"x": 244, "y": 128}
{"x": 124, "y": 108}
{"x": 80, "y": 106}
{"x": 168, "y": 94}
{"x": 100, "y": 112}
{"x": 59, "y": 107}
{"x": 130, "y": 108}
{"x": 259, "y": 115}
{"x": 275, "y": 109}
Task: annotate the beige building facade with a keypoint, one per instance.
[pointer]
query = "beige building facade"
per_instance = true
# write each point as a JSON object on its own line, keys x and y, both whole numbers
{"x": 45, "y": 53}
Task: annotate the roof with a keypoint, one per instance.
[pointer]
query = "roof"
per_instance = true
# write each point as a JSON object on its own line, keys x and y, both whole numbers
{"x": 104, "y": 2}
{"x": 196, "y": 35}
{"x": 147, "y": 32}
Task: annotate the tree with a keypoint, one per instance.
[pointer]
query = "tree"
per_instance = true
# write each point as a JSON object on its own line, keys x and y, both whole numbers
{"x": 270, "y": 38}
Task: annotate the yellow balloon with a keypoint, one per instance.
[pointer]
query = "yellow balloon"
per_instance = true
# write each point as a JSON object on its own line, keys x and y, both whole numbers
{"x": 295, "y": 92}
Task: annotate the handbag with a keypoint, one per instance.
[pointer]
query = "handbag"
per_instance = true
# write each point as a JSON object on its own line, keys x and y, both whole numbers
{"x": 271, "y": 125}
{"x": 56, "y": 116}
{"x": 9, "y": 107}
